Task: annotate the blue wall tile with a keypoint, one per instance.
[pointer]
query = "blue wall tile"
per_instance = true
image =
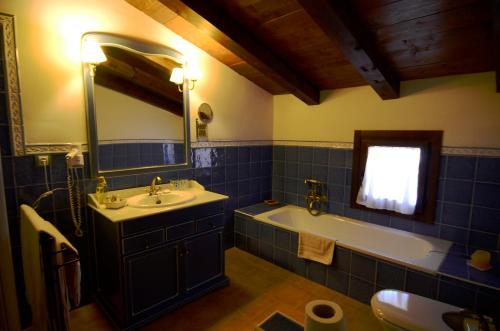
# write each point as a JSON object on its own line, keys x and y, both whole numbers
{"x": 283, "y": 239}
{"x": 317, "y": 272}
{"x": 320, "y": 156}
{"x": 460, "y": 167}
{"x": 243, "y": 154}
{"x": 337, "y": 281}
{"x": 483, "y": 240}
{"x": 401, "y": 223}
{"x": 341, "y": 260}
{"x": 291, "y": 153}
{"x": 267, "y": 233}
{"x": 457, "y": 215}
{"x": 485, "y": 219}
{"x": 458, "y": 191}
{"x": 279, "y": 153}
{"x": 231, "y": 154}
{"x": 336, "y": 176}
{"x": 454, "y": 234}
{"x": 427, "y": 229}
{"x": 298, "y": 265}
{"x": 487, "y": 170}
{"x": 282, "y": 258}
{"x": 291, "y": 169}
{"x": 363, "y": 267}
{"x": 487, "y": 195}
{"x": 266, "y": 251}
{"x": 361, "y": 290}
{"x": 305, "y": 154}
{"x": 390, "y": 276}
{"x": 337, "y": 158}
{"x": 456, "y": 295}
{"x": 421, "y": 284}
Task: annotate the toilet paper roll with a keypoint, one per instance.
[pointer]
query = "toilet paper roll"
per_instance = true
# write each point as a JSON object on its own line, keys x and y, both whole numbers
{"x": 323, "y": 315}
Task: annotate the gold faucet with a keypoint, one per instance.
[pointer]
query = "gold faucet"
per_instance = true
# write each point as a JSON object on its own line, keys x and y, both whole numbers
{"x": 316, "y": 197}
{"x": 153, "y": 189}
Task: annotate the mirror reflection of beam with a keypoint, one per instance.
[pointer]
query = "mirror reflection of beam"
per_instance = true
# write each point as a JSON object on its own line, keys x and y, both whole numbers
{"x": 135, "y": 75}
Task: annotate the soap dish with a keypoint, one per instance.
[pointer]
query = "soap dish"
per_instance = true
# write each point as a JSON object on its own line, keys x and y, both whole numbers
{"x": 469, "y": 263}
{"x": 116, "y": 204}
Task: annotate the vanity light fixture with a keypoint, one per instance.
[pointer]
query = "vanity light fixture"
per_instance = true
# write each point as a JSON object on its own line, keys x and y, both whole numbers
{"x": 92, "y": 54}
{"x": 178, "y": 74}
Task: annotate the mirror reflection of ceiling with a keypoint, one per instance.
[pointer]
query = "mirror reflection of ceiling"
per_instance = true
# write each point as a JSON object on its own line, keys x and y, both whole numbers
{"x": 145, "y": 78}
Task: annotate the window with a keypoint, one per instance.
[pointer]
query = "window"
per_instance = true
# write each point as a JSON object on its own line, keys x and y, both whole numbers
{"x": 396, "y": 172}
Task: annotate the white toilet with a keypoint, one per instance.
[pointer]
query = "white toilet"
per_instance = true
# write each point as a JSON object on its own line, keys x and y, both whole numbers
{"x": 399, "y": 310}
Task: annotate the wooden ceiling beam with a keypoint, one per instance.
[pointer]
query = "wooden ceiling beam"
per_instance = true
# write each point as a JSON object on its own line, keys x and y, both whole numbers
{"x": 227, "y": 32}
{"x": 496, "y": 41}
{"x": 341, "y": 25}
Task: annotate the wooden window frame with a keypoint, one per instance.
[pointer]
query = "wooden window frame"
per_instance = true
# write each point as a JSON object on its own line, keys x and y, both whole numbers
{"x": 428, "y": 177}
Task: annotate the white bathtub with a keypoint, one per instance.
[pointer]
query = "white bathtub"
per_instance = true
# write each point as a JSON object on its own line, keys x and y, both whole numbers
{"x": 413, "y": 250}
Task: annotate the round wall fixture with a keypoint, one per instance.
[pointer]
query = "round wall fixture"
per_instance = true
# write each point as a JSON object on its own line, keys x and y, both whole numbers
{"x": 205, "y": 113}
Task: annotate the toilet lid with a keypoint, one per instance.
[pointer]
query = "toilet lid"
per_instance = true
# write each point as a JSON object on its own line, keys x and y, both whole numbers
{"x": 410, "y": 311}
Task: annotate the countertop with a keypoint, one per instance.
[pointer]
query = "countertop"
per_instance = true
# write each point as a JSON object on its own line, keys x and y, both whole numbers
{"x": 129, "y": 213}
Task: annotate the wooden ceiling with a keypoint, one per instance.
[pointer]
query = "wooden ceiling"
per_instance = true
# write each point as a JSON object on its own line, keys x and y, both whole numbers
{"x": 304, "y": 46}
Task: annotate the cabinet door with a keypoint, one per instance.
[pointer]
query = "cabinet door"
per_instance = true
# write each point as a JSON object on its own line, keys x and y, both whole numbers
{"x": 204, "y": 259}
{"x": 152, "y": 278}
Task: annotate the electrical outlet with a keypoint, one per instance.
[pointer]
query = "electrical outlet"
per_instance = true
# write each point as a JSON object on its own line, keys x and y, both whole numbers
{"x": 42, "y": 160}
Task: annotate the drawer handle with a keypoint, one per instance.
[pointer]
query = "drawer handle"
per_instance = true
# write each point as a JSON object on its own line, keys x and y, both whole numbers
{"x": 147, "y": 243}
{"x": 211, "y": 225}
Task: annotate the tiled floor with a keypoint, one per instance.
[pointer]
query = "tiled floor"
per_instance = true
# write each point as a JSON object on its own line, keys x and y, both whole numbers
{"x": 257, "y": 289}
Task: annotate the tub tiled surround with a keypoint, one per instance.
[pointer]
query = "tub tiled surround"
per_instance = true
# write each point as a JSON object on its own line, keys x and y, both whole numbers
{"x": 354, "y": 274}
{"x": 468, "y": 205}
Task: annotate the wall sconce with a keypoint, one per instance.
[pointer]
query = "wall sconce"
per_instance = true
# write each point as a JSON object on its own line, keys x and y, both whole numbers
{"x": 192, "y": 74}
{"x": 92, "y": 54}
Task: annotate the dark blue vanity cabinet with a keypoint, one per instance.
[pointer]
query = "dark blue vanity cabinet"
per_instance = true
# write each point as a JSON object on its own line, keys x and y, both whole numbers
{"x": 148, "y": 266}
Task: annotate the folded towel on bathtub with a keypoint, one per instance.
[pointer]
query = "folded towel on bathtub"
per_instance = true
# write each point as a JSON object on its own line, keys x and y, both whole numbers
{"x": 316, "y": 248}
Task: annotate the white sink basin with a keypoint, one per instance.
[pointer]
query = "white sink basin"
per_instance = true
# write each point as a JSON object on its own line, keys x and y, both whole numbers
{"x": 159, "y": 200}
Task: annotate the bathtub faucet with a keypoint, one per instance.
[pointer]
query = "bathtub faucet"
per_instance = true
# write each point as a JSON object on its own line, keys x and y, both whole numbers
{"x": 316, "y": 197}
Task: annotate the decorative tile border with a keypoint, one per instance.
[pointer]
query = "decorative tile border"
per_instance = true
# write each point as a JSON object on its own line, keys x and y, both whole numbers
{"x": 13, "y": 95}
{"x": 51, "y": 148}
{"x": 229, "y": 143}
{"x": 465, "y": 151}
{"x": 61, "y": 148}
{"x": 140, "y": 141}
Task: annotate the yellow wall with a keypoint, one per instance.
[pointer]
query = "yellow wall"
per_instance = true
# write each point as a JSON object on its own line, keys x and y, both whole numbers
{"x": 48, "y": 38}
{"x": 466, "y": 107}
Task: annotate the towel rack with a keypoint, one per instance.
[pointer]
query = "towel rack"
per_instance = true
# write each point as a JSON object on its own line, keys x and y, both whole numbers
{"x": 51, "y": 276}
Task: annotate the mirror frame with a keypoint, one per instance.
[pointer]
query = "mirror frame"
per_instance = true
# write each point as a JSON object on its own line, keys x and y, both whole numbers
{"x": 141, "y": 47}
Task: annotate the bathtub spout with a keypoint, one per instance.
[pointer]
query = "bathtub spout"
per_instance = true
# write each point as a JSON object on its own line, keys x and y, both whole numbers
{"x": 316, "y": 197}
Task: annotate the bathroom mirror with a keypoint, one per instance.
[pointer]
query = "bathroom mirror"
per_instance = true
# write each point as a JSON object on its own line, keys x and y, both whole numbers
{"x": 205, "y": 113}
{"x": 138, "y": 120}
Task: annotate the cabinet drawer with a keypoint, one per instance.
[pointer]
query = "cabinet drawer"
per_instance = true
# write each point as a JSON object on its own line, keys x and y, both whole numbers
{"x": 180, "y": 231}
{"x": 143, "y": 241}
{"x": 174, "y": 217}
{"x": 210, "y": 223}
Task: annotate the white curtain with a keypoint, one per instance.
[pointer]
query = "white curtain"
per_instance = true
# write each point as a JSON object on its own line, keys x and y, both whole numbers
{"x": 391, "y": 179}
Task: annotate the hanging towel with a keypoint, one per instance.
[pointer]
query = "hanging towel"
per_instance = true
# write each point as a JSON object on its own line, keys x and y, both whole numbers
{"x": 69, "y": 275}
{"x": 315, "y": 248}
